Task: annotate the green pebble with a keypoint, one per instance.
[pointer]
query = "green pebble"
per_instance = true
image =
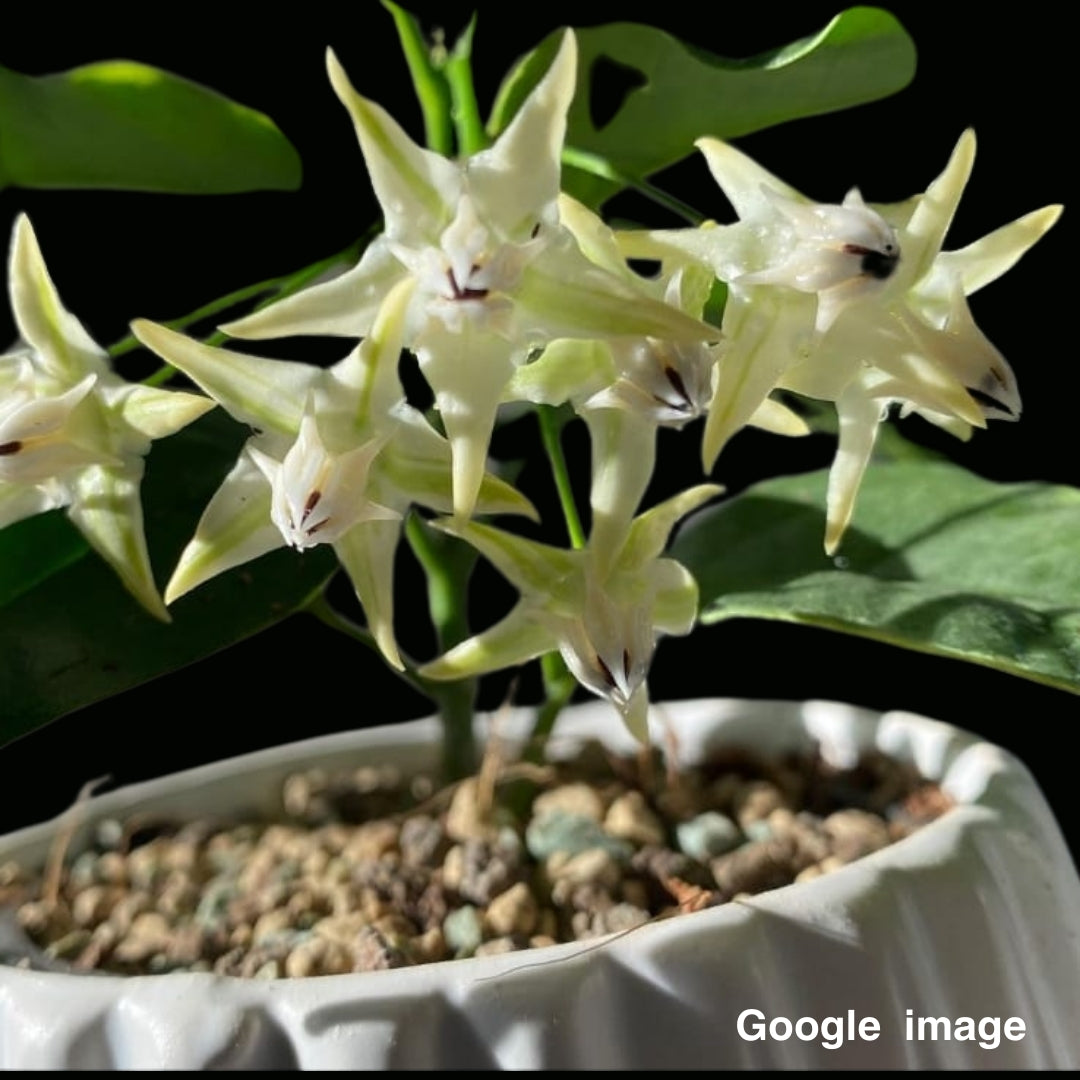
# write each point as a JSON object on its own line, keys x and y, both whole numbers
{"x": 572, "y": 834}
{"x": 708, "y": 835}
{"x": 463, "y": 930}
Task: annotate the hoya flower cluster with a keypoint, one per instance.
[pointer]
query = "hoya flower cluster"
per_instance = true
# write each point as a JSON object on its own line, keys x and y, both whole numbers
{"x": 507, "y": 291}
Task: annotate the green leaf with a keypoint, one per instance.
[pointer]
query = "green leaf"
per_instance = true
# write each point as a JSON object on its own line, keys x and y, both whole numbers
{"x": 123, "y": 125}
{"x": 862, "y": 55}
{"x": 937, "y": 560}
{"x": 33, "y": 549}
{"x": 77, "y": 637}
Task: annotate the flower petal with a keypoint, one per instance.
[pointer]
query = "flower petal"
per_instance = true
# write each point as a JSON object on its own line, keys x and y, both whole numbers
{"x": 743, "y": 180}
{"x": 18, "y": 501}
{"x": 934, "y": 211}
{"x": 468, "y": 371}
{"x": 515, "y": 640}
{"x": 107, "y": 510}
{"x": 234, "y": 529}
{"x": 158, "y": 413}
{"x": 859, "y": 417}
{"x": 416, "y": 188}
{"x": 344, "y": 306}
{"x": 649, "y": 533}
{"x": 623, "y": 455}
{"x": 257, "y": 391}
{"x": 562, "y": 294}
{"x": 567, "y": 369}
{"x": 529, "y": 150}
{"x": 64, "y": 347}
{"x": 367, "y": 554}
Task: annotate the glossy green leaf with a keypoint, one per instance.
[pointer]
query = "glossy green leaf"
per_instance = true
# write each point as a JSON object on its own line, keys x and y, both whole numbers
{"x": 124, "y": 125}
{"x": 77, "y": 637}
{"x": 937, "y": 560}
{"x": 35, "y": 548}
{"x": 684, "y": 92}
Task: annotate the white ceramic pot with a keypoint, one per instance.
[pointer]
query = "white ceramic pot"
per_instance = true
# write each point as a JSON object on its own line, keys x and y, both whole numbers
{"x": 976, "y": 915}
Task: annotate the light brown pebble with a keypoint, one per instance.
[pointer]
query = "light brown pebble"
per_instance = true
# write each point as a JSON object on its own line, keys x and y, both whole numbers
{"x": 41, "y": 917}
{"x": 341, "y": 928}
{"x": 429, "y": 946}
{"x": 94, "y": 903}
{"x": 580, "y": 800}
{"x": 270, "y": 924}
{"x": 754, "y": 867}
{"x": 809, "y": 873}
{"x": 466, "y": 819}
{"x": 372, "y": 952}
{"x": 395, "y": 927}
{"x": 855, "y": 833}
{"x": 317, "y": 956}
{"x": 512, "y": 912}
{"x": 497, "y": 946}
{"x": 594, "y": 866}
{"x": 150, "y": 933}
{"x": 756, "y": 801}
{"x": 631, "y": 818}
{"x": 371, "y": 841}
{"x": 127, "y": 908}
{"x": 541, "y": 941}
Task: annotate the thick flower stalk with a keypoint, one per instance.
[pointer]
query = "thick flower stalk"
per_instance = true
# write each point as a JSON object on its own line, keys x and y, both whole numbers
{"x": 496, "y": 274}
{"x": 854, "y": 303}
{"x": 73, "y": 434}
{"x": 338, "y": 459}
{"x": 604, "y": 620}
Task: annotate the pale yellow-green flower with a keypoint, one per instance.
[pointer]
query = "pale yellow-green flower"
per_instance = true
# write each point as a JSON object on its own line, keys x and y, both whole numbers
{"x": 73, "y": 434}
{"x": 338, "y": 458}
{"x": 496, "y": 274}
{"x": 854, "y": 303}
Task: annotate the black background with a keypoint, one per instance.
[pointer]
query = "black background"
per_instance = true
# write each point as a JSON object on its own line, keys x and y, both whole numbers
{"x": 117, "y": 256}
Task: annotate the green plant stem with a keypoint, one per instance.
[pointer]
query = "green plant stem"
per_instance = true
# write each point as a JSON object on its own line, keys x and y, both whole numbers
{"x": 550, "y": 431}
{"x": 599, "y": 166}
{"x": 319, "y": 607}
{"x": 464, "y": 108}
{"x": 280, "y": 287}
{"x": 428, "y": 82}
{"x": 446, "y": 565}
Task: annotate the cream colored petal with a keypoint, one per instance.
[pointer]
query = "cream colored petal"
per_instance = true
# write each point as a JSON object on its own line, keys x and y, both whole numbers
{"x": 367, "y": 553}
{"x": 416, "y": 188}
{"x": 775, "y": 417}
{"x": 344, "y": 306}
{"x": 596, "y": 240}
{"x": 982, "y": 262}
{"x": 531, "y": 566}
{"x": 650, "y": 531}
{"x": 517, "y": 178}
{"x": 563, "y": 295}
{"x": 19, "y": 501}
{"x": 859, "y": 417}
{"x": 760, "y": 335}
{"x": 675, "y": 605}
{"x": 934, "y": 211}
{"x": 623, "y": 451}
{"x": 417, "y": 462}
{"x": 567, "y": 369}
{"x": 261, "y": 392}
{"x": 107, "y": 510}
{"x": 62, "y": 344}
{"x": 743, "y": 180}
{"x": 468, "y": 373}
{"x": 515, "y": 640}
{"x": 234, "y": 529}
{"x": 159, "y": 413}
